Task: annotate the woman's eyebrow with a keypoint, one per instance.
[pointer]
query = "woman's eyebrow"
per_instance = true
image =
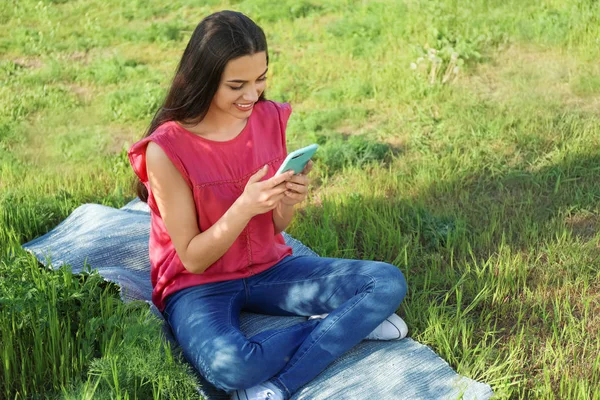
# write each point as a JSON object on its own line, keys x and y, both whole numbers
{"x": 242, "y": 81}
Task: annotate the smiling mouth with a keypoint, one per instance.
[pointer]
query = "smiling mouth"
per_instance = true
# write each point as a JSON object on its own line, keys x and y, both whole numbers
{"x": 244, "y": 106}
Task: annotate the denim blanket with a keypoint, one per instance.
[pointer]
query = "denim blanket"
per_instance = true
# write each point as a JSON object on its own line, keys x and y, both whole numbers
{"x": 115, "y": 242}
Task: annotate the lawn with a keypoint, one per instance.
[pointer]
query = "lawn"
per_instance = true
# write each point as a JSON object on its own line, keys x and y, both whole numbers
{"x": 458, "y": 141}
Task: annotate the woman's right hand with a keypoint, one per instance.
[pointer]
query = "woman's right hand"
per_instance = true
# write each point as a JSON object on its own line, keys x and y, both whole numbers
{"x": 261, "y": 197}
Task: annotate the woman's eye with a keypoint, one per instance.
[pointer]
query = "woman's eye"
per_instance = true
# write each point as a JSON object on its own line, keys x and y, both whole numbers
{"x": 264, "y": 78}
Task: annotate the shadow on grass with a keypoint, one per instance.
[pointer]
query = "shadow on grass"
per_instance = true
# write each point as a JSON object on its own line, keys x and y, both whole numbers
{"x": 471, "y": 214}
{"x": 480, "y": 233}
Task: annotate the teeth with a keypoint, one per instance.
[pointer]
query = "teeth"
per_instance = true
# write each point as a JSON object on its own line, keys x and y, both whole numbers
{"x": 244, "y": 105}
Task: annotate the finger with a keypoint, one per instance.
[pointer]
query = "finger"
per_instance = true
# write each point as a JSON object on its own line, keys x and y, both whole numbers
{"x": 296, "y": 196}
{"x": 300, "y": 179}
{"x": 276, "y": 199}
{"x": 259, "y": 174}
{"x": 281, "y": 185}
{"x": 281, "y": 188}
{"x": 278, "y": 179}
{"x": 308, "y": 167}
{"x": 296, "y": 187}
{"x": 279, "y": 197}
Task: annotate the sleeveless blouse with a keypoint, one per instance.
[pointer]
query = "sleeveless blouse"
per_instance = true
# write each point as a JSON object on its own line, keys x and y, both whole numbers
{"x": 217, "y": 173}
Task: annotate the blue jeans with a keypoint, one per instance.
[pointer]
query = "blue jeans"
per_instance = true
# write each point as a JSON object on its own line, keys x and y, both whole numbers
{"x": 357, "y": 294}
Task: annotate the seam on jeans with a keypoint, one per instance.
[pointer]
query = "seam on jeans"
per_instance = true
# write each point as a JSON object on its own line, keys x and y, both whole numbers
{"x": 246, "y": 291}
{"x": 289, "y": 328}
{"x": 283, "y": 386}
{"x": 231, "y": 307}
{"x": 206, "y": 369}
{"x": 195, "y": 358}
{"x": 309, "y": 279}
{"x": 364, "y": 294}
{"x": 207, "y": 373}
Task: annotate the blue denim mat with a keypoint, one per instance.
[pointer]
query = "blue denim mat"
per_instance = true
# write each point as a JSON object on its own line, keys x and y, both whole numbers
{"x": 115, "y": 242}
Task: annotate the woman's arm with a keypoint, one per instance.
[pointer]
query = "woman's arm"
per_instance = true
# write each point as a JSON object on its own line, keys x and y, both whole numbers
{"x": 197, "y": 250}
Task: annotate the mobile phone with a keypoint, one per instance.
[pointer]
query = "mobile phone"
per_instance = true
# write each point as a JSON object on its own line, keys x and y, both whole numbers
{"x": 298, "y": 159}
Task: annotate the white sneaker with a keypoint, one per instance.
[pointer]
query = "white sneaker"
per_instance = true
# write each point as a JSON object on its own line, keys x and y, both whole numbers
{"x": 393, "y": 328}
{"x": 264, "y": 391}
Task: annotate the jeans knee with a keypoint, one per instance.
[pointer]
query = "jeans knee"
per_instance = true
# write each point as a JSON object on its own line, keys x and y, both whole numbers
{"x": 234, "y": 380}
{"x": 391, "y": 283}
{"x": 235, "y": 370}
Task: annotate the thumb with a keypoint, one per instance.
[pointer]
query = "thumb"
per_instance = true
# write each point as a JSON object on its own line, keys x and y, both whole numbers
{"x": 259, "y": 175}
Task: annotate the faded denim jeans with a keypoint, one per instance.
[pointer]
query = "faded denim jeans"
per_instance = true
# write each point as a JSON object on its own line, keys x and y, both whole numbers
{"x": 357, "y": 294}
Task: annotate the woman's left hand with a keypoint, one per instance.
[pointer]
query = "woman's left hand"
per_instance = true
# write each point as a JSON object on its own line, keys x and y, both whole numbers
{"x": 297, "y": 187}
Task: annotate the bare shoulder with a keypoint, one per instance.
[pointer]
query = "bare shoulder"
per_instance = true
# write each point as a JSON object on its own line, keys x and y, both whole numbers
{"x": 165, "y": 179}
{"x": 155, "y": 154}
{"x": 159, "y": 164}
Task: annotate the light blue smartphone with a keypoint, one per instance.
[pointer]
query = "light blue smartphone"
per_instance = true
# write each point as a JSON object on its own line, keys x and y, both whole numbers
{"x": 297, "y": 160}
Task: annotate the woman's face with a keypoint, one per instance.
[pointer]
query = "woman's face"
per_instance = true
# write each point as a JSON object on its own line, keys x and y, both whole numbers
{"x": 242, "y": 82}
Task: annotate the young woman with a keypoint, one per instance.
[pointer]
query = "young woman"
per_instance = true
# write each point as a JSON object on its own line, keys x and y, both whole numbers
{"x": 206, "y": 169}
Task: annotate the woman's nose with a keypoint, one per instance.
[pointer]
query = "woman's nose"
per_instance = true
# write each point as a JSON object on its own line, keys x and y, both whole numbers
{"x": 251, "y": 94}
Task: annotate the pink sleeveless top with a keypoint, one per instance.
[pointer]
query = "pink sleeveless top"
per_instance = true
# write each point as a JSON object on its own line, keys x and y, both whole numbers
{"x": 217, "y": 173}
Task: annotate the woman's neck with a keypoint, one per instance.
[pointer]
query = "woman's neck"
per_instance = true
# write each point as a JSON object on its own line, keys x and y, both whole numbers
{"x": 215, "y": 126}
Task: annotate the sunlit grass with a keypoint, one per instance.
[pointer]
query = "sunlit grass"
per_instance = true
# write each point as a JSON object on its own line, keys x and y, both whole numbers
{"x": 481, "y": 185}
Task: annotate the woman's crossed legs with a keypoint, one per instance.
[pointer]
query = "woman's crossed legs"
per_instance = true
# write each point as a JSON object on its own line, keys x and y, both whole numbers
{"x": 357, "y": 294}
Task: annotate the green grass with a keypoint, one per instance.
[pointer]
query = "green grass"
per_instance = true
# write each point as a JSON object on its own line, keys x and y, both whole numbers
{"x": 480, "y": 182}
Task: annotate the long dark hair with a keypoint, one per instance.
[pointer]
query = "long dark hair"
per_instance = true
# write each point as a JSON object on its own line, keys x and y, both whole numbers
{"x": 218, "y": 38}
